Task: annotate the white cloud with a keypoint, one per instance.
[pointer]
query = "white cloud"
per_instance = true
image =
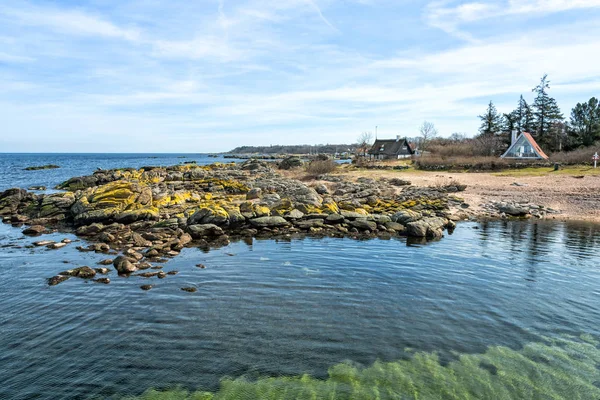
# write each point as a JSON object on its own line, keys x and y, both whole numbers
{"x": 77, "y": 22}
{"x": 450, "y": 18}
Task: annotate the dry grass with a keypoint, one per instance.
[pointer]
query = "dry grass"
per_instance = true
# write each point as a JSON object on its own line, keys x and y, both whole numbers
{"x": 320, "y": 167}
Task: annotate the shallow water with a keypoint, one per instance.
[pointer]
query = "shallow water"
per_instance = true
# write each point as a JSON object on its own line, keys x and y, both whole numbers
{"x": 286, "y": 308}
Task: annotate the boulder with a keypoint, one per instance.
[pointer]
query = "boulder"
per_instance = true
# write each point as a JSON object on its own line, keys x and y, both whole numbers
{"x": 55, "y": 280}
{"x": 295, "y": 214}
{"x": 309, "y": 223}
{"x": 321, "y": 189}
{"x": 514, "y": 210}
{"x": 215, "y": 215}
{"x": 334, "y": 219}
{"x": 124, "y": 265}
{"x": 34, "y": 230}
{"x": 268, "y": 222}
{"x": 139, "y": 241}
{"x": 81, "y": 272}
{"x": 291, "y": 162}
{"x": 253, "y": 193}
{"x": 204, "y": 230}
{"x": 363, "y": 224}
{"x": 427, "y": 227}
{"x": 394, "y": 226}
{"x": 405, "y": 216}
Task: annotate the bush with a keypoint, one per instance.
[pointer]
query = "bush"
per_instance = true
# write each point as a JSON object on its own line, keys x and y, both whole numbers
{"x": 579, "y": 156}
{"x": 436, "y": 163}
{"x": 320, "y": 167}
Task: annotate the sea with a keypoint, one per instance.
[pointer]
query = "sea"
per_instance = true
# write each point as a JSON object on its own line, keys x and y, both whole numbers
{"x": 281, "y": 308}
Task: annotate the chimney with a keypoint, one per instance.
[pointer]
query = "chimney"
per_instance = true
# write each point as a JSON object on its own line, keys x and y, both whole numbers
{"x": 513, "y": 137}
{"x": 397, "y": 138}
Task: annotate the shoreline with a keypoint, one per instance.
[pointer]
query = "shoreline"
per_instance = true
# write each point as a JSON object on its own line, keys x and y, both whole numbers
{"x": 151, "y": 214}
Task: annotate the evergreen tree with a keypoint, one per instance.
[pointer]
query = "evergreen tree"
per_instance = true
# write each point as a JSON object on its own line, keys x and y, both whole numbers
{"x": 546, "y": 111}
{"x": 528, "y": 122}
{"x": 585, "y": 123}
{"x": 491, "y": 122}
{"x": 523, "y": 117}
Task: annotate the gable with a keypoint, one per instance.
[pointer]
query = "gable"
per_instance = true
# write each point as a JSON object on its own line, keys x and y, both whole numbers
{"x": 525, "y": 147}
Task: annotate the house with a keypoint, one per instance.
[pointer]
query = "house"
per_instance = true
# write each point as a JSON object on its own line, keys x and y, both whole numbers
{"x": 524, "y": 147}
{"x": 391, "y": 149}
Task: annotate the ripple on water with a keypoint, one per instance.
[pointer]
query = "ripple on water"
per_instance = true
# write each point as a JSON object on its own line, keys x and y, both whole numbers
{"x": 288, "y": 307}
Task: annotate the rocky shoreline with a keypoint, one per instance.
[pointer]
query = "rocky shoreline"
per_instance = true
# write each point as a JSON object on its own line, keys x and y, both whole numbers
{"x": 152, "y": 213}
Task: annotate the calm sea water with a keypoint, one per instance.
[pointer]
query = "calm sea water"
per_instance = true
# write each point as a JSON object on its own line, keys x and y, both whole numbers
{"x": 12, "y": 173}
{"x": 287, "y": 307}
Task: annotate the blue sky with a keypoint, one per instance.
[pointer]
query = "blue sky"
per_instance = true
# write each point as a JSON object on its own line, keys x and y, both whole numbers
{"x": 209, "y": 75}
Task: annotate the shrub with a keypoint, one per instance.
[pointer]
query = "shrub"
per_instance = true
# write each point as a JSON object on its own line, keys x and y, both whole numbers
{"x": 579, "y": 156}
{"x": 320, "y": 167}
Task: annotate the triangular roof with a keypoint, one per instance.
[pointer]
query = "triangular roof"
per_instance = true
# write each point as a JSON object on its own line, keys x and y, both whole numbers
{"x": 525, "y": 138}
{"x": 391, "y": 147}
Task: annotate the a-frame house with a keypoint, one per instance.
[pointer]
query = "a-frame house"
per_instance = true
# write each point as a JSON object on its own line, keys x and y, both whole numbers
{"x": 524, "y": 147}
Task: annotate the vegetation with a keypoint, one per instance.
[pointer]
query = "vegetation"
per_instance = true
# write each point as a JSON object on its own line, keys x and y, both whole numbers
{"x": 320, "y": 167}
{"x": 296, "y": 149}
{"x": 544, "y": 120}
{"x": 564, "y": 368}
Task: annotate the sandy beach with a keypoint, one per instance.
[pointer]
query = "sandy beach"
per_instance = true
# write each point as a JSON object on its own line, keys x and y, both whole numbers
{"x": 575, "y": 192}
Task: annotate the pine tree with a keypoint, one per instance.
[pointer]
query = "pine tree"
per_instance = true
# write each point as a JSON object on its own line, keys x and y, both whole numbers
{"x": 546, "y": 111}
{"x": 523, "y": 117}
{"x": 490, "y": 121}
{"x": 584, "y": 126}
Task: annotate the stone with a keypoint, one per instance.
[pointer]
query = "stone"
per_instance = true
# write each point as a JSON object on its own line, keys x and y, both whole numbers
{"x": 268, "y": 222}
{"x": 102, "y": 271}
{"x": 106, "y": 237}
{"x": 291, "y": 162}
{"x": 426, "y": 227}
{"x": 139, "y": 241}
{"x": 105, "y": 281}
{"x": 124, "y": 265}
{"x": 405, "y": 216}
{"x": 394, "y": 226}
{"x": 253, "y": 193}
{"x": 189, "y": 289}
{"x": 43, "y": 243}
{"x": 513, "y": 210}
{"x": 55, "y": 280}
{"x": 309, "y": 223}
{"x": 131, "y": 253}
{"x": 321, "y": 189}
{"x": 81, "y": 272}
{"x": 107, "y": 261}
{"x": 89, "y": 230}
{"x": 363, "y": 224}
{"x": 334, "y": 219}
{"x": 295, "y": 214}
{"x": 34, "y": 230}
{"x": 55, "y": 246}
{"x": 161, "y": 275}
{"x": 146, "y": 287}
{"x": 204, "y": 230}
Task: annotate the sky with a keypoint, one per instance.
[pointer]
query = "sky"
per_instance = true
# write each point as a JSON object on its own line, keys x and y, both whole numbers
{"x": 210, "y": 75}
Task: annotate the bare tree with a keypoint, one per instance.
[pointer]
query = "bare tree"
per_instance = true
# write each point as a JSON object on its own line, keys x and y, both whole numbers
{"x": 364, "y": 143}
{"x": 427, "y": 132}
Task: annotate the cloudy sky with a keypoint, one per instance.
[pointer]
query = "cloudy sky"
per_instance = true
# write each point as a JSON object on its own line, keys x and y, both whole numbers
{"x": 209, "y": 75}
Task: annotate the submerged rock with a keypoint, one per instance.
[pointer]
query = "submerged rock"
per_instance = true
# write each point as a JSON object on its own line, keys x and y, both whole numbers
{"x": 81, "y": 272}
{"x": 55, "y": 280}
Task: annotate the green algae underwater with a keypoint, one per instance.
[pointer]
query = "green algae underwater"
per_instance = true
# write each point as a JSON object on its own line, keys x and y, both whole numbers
{"x": 558, "y": 368}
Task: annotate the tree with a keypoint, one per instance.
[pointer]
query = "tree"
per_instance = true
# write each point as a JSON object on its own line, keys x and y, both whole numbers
{"x": 364, "y": 142}
{"x": 458, "y": 136}
{"x": 490, "y": 121}
{"x": 523, "y": 117}
{"x": 585, "y": 123}
{"x": 546, "y": 111}
{"x": 427, "y": 132}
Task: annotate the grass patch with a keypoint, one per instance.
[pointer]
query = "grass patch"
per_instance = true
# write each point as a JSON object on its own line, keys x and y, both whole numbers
{"x": 542, "y": 171}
